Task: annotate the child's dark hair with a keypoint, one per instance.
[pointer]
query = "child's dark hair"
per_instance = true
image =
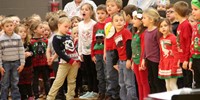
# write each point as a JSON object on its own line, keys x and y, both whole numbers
{"x": 76, "y": 17}
{"x": 182, "y": 8}
{"x": 102, "y": 7}
{"x": 142, "y": 27}
{"x": 93, "y": 16}
{"x": 34, "y": 26}
{"x": 129, "y": 9}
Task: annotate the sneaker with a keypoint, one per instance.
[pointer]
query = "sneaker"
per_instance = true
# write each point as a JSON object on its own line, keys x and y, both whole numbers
{"x": 92, "y": 95}
{"x": 84, "y": 96}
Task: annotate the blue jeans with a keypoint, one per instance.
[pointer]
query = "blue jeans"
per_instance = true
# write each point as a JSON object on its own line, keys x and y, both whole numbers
{"x": 10, "y": 77}
{"x": 100, "y": 68}
{"x": 126, "y": 82}
{"x": 111, "y": 76}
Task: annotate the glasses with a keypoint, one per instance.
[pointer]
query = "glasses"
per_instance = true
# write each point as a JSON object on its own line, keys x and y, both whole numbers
{"x": 169, "y": 11}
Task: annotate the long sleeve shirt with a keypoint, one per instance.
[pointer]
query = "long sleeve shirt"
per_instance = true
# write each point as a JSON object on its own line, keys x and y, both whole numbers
{"x": 11, "y": 48}
{"x": 85, "y": 31}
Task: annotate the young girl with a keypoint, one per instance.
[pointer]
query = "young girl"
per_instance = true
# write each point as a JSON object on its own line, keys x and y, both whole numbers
{"x": 137, "y": 54}
{"x": 168, "y": 65}
{"x": 69, "y": 64}
{"x": 151, "y": 50}
{"x": 122, "y": 43}
{"x": 192, "y": 21}
{"x": 25, "y": 78}
{"x": 75, "y": 20}
{"x": 47, "y": 30}
{"x": 85, "y": 29}
{"x": 39, "y": 45}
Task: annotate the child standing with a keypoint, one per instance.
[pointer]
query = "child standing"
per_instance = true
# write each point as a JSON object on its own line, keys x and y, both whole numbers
{"x": 151, "y": 50}
{"x": 137, "y": 45}
{"x": 97, "y": 49}
{"x": 184, "y": 35}
{"x": 25, "y": 78}
{"x": 112, "y": 91}
{"x": 85, "y": 29}
{"x": 122, "y": 40}
{"x": 195, "y": 45}
{"x": 69, "y": 64}
{"x": 128, "y": 11}
{"x": 168, "y": 65}
{"x": 39, "y": 45}
{"x": 11, "y": 63}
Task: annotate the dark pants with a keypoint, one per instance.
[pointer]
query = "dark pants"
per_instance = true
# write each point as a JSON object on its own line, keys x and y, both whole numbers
{"x": 156, "y": 84}
{"x": 44, "y": 71}
{"x": 61, "y": 93}
{"x": 186, "y": 80}
{"x": 196, "y": 68}
{"x": 91, "y": 73}
{"x": 25, "y": 91}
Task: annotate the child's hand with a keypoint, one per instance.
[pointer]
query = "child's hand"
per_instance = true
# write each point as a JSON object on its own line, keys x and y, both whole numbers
{"x": 190, "y": 65}
{"x": 94, "y": 59}
{"x": 28, "y": 54}
{"x": 104, "y": 57}
{"x": 185, "y": 65}
{"x": 50, "y": 61}
{"x": 2, "y": 70}
{"x": 128, "y": 64}
{"x": 20, "y": 68}
{"x": 142, "y": 66}
{"x": 81, "y": 58}
{"x": 116, "y": 67}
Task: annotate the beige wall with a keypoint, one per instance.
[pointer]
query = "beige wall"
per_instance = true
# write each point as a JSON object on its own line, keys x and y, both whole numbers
{"x": 25, "y": 8}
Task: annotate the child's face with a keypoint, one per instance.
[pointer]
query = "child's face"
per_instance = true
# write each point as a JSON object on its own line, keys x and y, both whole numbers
{"x": 164, "y": 28}
{"x": 39, "y": 30}
{"x": 102, "y": 15}
{"x": 112, "y": 8}
{"x": 136, "y": 22}
{"x": 47, "y": 31}
{"x": 146, "y": 20}
{"x": 170, "y": 14}
{"x": 196, "y": 12}
{"x": 16, "y": 20}
{"x": 75, "y": 23}
{"x": 86, "y": 12}
{"x": 8, "y": 28}
{"x": 192, "y": 20}
{"x": 64, "y": 27}
{"x": 161, "y": 7}
{"x": 22, "y": 32}
{"x": 118, "y": 22}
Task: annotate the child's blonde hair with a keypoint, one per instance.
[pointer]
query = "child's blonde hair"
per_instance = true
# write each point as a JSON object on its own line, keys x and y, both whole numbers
{"x": 152, "y": 14}
{"x": 91, "y": 9}
{"x": 63, "y": 20}
{"x": 119, "y": 3}
{"x": 34, "y": 26}
{"x": 74, "y": 30}
{"x": 28, "y": 37}
{"x": 6, "y": 20}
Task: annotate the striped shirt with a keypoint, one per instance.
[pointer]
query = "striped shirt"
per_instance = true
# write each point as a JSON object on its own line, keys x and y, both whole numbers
{"x": 11, "y": 48}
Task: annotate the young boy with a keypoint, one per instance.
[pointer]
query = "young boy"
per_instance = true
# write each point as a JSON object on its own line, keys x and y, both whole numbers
{"x": 12, "y": 60}
{"x": 171, "y": 16}
{"x": 97, "y": 49}
{"x": 128, "y": 10}
{"x": 112, "y": 92}
{"x": 184, "y": 34}
{"x": 195, "y": 45}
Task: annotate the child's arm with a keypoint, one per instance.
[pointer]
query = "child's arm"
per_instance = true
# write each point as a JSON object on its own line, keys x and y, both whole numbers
{"x": 59, "y": 52}
{"x": 80, "y": 44}
{"x": 21, "y": 56}
{"x": 115, "y": 60}
{"x": 128, "y": 54}
{"x": 93, "y": 43}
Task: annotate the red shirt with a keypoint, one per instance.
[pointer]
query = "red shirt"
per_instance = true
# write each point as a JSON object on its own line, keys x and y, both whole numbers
{"x": 184, "y": 35}
{"x": 120, "y": 39}
{"x": 195, "y": 45}
{"x": 97, "y": 27}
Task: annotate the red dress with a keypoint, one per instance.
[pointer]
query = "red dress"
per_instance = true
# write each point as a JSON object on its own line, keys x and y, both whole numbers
{"x": 168, "y": 61}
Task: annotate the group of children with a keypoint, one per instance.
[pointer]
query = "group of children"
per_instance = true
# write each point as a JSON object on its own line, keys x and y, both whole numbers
{"x": 122, "y": 48}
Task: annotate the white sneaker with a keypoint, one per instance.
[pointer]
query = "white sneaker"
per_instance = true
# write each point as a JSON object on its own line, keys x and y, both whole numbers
{"x": 91, "y": 95}
{"x": 84, "y": 96}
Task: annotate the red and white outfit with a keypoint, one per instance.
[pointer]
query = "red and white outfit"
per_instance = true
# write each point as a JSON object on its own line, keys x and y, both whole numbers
{"x": 168, "y": 67}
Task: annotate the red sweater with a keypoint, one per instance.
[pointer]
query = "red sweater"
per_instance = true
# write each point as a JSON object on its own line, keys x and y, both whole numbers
{"x": 184, "y": 35}
{"x": 97, "y": 27}
{"x": 195, "y": 45}
{"x": 120, "y": 39}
